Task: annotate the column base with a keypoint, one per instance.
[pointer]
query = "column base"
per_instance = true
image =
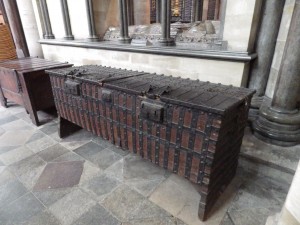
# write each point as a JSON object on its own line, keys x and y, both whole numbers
{"x": 49, "y": 36}
{"x": 256, "y": 101}
{"x": 69, "y": 37}
{"x": 276, "y": 128}
{"x": 125, "y": 40}
{"x": 165, "y": 42}
{"x": 93, "y": 38}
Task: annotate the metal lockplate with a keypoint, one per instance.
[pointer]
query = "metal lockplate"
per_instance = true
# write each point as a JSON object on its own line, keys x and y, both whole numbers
{"x": 152, "y": 111}
{"x": 106, "y": 95}
{"x": 72, "y": 87}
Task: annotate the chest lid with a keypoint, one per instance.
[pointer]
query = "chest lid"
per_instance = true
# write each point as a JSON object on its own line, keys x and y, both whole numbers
{"x": 208, "y": 96}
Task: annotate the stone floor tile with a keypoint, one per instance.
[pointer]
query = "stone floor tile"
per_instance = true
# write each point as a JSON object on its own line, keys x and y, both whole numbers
{"x": 73, "y": 144}
{"x": 15, "y": 155}
{"x": 101, "y": 185}
{"x": 106, "y": 144}
{"x": 43, "y": 218}
{"x": 35, "y": 136}
{"x": 100, "y": 157}
{"x": 21, "y": 210}
{"x": 122, "y": 202}
{"x": 48, "y": 197}
{"x": 153, "y": 221}
{"x": 254, "y": 149}
{"x": 1, "y": 164}
{"x": 149, "y": 210}
{"x": 102, "y": 142}
{"x": 257, "y": 216}
{"x": 175, "y": 193}
{"x": 72, "y": 206}
{"x": 227, "y": 220}
{"x": 81, "y": 135}
{"x": 89, "y": 171}
{"x": 5, "y": 149}
{"x": 41, "y": 144}
{"x": 24, "y": 116}
{"x": 15, "y": 138}
{"x": 11, "y": 191}
{"x": 116, "y": 170}
{"x": 2, "y": 131}
{"x": 144, "y": 187}
{"x": 13, "y": 108}
{"x": 137, "y": 168}
{"x": 60, "y": 175}
{"x": 7, "y": 118}
{"x": 53, "y": 152}
{"x": 18, "y": 124}
{"x": 28, "y": 170}
{"x": 69, "y": 156}
{"x": 97, "y": 215}
{"x": 5, "y": 175}
{"x": 49, "y": 128}
{"x": 89, "y": 150}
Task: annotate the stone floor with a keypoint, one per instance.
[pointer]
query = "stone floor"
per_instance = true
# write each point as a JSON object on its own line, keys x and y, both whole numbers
{"x": 83, "y": 180}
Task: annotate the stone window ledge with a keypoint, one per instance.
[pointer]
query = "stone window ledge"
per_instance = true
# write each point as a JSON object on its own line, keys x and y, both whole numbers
{"x": 170, "y": 51}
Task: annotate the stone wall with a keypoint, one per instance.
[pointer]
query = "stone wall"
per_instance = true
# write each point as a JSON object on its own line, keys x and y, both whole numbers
{"x": 225, "y": 72}
{"x": 280, "y": 45}
{"x": 30, "y": 27}
{"x": 239, "y": 22}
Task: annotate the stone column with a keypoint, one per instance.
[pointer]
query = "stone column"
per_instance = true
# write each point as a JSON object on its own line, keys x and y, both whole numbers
{"x": 265, "y": 48}
{"x": 124, "y": 37}
{"x": 66, "y": 19}
{"x": 158, "y": 11}
{"x": 197, "y": 10}
{"x": 91, "y": 23}
{"x": 279, "y": 122}
{"x": 130, "y": 9}
{"x": 46, "y": 19}
{"x": 166, "y": 40}
{"x": 15, "y": 25}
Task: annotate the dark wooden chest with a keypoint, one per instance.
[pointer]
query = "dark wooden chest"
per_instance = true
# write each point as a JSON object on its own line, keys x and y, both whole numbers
{"x": 24, "y": 82}
{"x": 191, "y": 128}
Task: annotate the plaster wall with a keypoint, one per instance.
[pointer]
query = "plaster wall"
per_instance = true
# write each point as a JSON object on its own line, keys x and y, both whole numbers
{"x": 205, "y": 70}
{"x": 30, "y": 27}
{"x": 280, "y": 45}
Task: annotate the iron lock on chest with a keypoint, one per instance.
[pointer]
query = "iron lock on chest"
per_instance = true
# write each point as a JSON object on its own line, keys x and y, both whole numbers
{"x": 72, "y": 87}
{"x": 152, "y": 111}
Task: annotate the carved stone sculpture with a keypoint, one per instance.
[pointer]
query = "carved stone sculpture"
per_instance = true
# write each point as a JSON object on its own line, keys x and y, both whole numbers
{"x": 201, "y": 34}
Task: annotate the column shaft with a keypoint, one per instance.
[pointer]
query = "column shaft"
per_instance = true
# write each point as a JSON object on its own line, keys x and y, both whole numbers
{"x": 91, "y": 23}
{"x": 287, "y": 88}
{"x": 130, "y": 9}
{"x": 158, "y": 11}
{"x": 15, "y": 25}
{"x": 265, "y": 48}
{"x": 166, "y": 40}
{"x": 46, "y": 19}
{"x": 197, "y": 10}
{"x": 66, "y": 19}
{"x": 124, "y": 36}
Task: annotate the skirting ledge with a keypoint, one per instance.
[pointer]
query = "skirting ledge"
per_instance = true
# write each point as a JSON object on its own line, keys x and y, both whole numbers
{"x": 170, "y": 51}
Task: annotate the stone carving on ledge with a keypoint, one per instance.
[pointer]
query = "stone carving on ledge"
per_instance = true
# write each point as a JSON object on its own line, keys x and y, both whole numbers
{"x": 200, "y": 34}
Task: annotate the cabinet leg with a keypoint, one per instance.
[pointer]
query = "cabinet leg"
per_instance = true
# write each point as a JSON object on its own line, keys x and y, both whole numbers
{"x": 33, "y": 116}
{"x": 66, "y": 127}
{"x": 3, "y": 100}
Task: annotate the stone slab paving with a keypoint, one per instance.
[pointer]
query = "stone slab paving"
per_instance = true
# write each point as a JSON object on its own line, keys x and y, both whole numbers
{"x": 84, "y": 180}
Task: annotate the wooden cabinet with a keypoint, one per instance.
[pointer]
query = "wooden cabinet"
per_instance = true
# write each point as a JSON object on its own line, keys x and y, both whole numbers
{"x": 24, "y": 82}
